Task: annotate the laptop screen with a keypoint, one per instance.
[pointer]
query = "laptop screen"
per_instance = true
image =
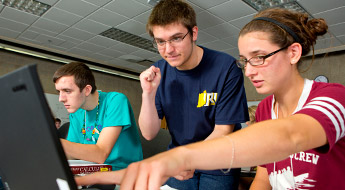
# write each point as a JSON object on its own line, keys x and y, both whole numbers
{"x": 31, "y": 154}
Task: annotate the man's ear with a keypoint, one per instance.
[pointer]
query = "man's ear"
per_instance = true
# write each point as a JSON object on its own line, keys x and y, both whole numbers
{"x": 87, "y": 90}
{"x": 195, "y": 33}
{"x": 295, "y": 53}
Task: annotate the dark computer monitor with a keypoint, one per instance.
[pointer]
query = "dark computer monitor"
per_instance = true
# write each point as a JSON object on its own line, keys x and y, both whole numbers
{"x": 31, "y": 155}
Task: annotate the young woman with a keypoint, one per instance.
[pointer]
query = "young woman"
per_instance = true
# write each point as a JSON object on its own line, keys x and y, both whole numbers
{"x": 299, "y": 134}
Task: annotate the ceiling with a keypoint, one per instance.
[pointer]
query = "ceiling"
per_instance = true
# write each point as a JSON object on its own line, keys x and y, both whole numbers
{"x": 73, "y": 28}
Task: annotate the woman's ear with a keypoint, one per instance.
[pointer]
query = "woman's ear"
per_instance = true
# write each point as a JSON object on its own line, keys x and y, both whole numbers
{"x": 295, "y": 53}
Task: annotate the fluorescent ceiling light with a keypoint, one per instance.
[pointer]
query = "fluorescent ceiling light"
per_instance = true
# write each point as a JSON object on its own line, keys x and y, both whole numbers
{"x": 29, "y": 6}
{"x": 287, "y": 4}
{"x": 128, "y": 38}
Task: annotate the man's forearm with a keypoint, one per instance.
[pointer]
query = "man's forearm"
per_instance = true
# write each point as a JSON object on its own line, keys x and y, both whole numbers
{"x": 149, "y": 121}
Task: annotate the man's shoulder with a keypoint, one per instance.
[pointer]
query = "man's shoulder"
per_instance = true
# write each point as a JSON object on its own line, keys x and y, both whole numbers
{"x": 113, "y": 95}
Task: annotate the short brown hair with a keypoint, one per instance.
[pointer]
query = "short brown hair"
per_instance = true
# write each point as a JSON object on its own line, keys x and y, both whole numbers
{"x": 81, "y": 72}
{"x": 170, "y": 11}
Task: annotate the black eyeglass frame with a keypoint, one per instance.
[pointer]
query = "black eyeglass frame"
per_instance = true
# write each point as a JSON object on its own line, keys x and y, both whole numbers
{"x": 263, "y": 57}
{"x": 154, "y": 42}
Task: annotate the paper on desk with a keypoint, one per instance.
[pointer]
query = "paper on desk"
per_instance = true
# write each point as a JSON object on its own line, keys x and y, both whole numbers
{"x": 80, "y": 162}
{"x": 166, "y": 187}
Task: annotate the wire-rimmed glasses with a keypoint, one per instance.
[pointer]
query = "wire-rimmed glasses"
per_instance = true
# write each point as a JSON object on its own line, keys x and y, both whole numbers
{"x": 160, "y": 44}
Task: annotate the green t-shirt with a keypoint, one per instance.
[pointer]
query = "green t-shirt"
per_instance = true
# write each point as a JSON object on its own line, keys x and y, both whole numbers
{"x": 114, "y": 110}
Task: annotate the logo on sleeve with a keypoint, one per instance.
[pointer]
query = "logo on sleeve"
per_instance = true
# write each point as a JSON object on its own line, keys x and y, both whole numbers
{"x": 207, "y": 99}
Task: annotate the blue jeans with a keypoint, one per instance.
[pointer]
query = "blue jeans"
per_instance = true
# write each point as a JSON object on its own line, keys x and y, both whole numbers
{"x": 202, "y": 181}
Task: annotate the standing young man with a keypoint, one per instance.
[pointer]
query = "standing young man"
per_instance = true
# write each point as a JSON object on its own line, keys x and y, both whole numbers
{"x": 102, "y": 125}
{"x": 199, "y": 91}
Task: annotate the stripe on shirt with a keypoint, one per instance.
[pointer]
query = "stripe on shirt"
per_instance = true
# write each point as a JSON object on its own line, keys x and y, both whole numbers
{"x": 320, "y": 102}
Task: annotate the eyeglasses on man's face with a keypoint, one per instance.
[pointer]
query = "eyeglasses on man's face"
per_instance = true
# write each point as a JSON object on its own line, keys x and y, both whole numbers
{"x": 160, "y": 44}
{"x": 256, "y": 60}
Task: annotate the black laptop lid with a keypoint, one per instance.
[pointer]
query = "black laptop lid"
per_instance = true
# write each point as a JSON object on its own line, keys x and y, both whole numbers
{"x": 31, "y": 156}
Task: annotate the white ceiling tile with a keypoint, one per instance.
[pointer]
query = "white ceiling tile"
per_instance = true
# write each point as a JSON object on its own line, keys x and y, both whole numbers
{"x": 102, "y": 41}
{"x": 98, "y": 56}
{"x": 241, "y": 22}
{"x": 204, "y": 37}
{"x": 207, "y": 4}
{"x": 144, "y": 54}
{"x": 48, "y": 40}
{"x": 317, "y": 6}
{"x": 27, "y": 40}
{"x": 107, "y": 17}
{"x": 13, "y": 25}
{"x": 68, "y": 44}
{"x": 41, "y": 31}
{"x": 78, "y": 34}
{"x": 78, "y": 51}
{"x": 29, "y": 34}
{"x": 144, "y": 2}
{"x": 62, "y": 49}
{"x": 338, "y": 29}
{"x": 196, "y": 8}
{"x": 125, "y": 48}
{"x": 232, "y": 51}
{"x": 62, "y": 16}
{"x": 98, "y": 2}
{"x": 238, "y": 9}
{"x": 91, "y": 26}
{"x": 69, "y": 39}
{"x": 205, "y": 20}
{"x": 18, "y": 16}
{"x": 77, "y": 7}
{"x": 111, "y": 52}
{"x": 232, "y": 40}
{"x": 341, "y": 39}
{"x": 218, "y": 45}
{"x": 222, "y": 30}
{"x": 334, "y": 16}
{"x": 133, "y": 27}
{"x": 327, "y": 43}
{"x": 8, "y": 33}
{"x": 129, "y": 8}
{"x": 49, "y": 25}
{"x": 144, "y": 17}
{"x": 90, "y": 47}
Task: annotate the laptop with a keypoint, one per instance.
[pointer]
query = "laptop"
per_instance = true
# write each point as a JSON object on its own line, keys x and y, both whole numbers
{"x": 31, "y": 155}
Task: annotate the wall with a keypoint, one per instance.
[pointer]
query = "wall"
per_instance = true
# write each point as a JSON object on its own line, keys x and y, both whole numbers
{"x": 131, "y": 88}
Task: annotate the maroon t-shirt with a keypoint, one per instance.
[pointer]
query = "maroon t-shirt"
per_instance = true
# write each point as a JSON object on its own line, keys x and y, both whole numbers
{"x": 316, "y": 168}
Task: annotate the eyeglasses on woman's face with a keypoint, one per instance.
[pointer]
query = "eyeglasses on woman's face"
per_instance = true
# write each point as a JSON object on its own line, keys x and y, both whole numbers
{"x": 176, "y": 40}
{"x": 256, "y": 60}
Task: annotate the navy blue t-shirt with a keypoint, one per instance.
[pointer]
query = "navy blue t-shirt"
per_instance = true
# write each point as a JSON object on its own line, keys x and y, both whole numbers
{"x": 193, "y": 101}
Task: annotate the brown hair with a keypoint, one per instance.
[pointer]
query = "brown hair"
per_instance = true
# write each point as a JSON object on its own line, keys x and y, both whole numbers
{"x": 306, "y": 29}
{"x": 171, "y": 11}
{"x": 81, "y": 72}
{"x": 251, "y": 111}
